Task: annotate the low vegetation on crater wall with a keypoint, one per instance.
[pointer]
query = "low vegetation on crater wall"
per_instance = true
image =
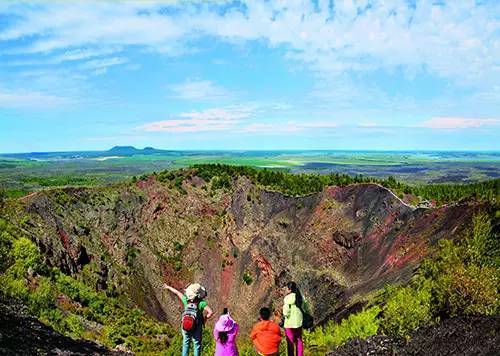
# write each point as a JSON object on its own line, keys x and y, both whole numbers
{"x": 461, "y": 279}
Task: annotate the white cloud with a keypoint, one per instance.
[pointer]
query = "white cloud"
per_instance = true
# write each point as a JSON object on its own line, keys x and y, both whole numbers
{"x": 457, "y": 123}
{"x": 99, "y": 64}
{"x": 216, "y": 119}
{"x": 457, "y": 40}
{"x": 80, "y": 54}
{"x": 289, "y": 126}
{"x": 80, "y": 23}
{"x": 198, "y": 90}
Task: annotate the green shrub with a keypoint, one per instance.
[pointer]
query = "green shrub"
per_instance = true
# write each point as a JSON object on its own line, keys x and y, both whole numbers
{"x": 14, "y": 288}
{"x": 5, "y": 245}
{"x": 90, "y": 274}
{"x": 54, "y": 318}
{"x": 96, "y": 304}
{"x": 360, "y": 325}
{"x": 38, "y": 289}
{"x": 73, "y": 326}
{"x": 474, "y": 291}
{"x": 247, "y": 278}
{"x": 406, "y": 308}
{"x": 357, "y": 326}
{"x": 66, "y": 324}
{"x": 132, "y": 328}
{"x": 42, "y": 297}
{"x": 464, "y": 277}
{"x": 26, "y": 257}
{"x": 221, "y": 182}
{"x": 76, "y": 290}
{"x": 68, "y": 286}
{"x": 481, "y": 246}
{"x": 131, "y": 253}
{"x": 208, "y": 342}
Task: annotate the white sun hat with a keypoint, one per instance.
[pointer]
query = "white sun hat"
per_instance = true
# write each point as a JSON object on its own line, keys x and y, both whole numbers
{"x": 195, "y": 290}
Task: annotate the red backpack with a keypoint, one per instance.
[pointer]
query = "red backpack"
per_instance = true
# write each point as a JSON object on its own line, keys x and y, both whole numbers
{"x": 190, "y": 316}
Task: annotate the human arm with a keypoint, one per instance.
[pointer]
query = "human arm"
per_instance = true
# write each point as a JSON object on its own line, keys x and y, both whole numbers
{"x": 231, "y": 336}
{"x": 209, "y": 312}
{"x": 254, "y": 332}
{"x": 173, "y": 290}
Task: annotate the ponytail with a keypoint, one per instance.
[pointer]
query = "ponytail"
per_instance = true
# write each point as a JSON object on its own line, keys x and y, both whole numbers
{"x": 222, "y": 337}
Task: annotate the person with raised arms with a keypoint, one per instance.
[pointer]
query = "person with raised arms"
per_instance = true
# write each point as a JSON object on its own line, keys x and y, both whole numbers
{"x": 193, "y": 318}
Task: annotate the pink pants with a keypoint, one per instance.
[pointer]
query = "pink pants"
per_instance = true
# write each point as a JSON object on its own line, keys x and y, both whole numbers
{"x": 294, "y": 337}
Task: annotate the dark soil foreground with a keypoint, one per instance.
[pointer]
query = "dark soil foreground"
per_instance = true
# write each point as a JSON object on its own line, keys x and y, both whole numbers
{"x": 21, "y": 334}
{"x": 456, "y": 336}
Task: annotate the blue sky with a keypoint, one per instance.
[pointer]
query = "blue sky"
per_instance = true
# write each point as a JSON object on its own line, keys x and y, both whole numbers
{"x": 380, "y": 75}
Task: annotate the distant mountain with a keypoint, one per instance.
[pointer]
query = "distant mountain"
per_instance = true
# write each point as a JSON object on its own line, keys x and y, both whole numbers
{"x": 131, "y": 150}
{"x": 115, "y": 151}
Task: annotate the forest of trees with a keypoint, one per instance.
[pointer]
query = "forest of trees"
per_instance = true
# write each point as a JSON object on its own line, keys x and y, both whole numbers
{"x": 301, "y": 184}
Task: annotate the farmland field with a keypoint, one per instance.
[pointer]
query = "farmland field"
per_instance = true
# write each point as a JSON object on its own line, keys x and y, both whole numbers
{"x": 24, "y": 173}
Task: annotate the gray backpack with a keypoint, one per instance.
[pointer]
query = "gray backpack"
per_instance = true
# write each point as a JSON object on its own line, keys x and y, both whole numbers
{"x": 190, "y": 316}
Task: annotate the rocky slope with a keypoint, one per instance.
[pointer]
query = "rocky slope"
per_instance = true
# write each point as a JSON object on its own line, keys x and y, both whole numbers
{"x": 21, "y": 334}
{"x": 456, "y": 336}
{"x": 243, "y": 244}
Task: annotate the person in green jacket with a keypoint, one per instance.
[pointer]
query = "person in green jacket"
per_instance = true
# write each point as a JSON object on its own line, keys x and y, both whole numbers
{"x": 293, "y": 305}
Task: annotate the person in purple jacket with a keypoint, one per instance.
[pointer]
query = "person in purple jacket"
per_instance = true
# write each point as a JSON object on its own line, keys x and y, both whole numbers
{"x": 225, "y": 332}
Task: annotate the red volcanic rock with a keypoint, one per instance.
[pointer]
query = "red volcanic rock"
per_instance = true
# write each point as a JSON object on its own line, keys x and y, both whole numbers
{"x": 341, "y": 242}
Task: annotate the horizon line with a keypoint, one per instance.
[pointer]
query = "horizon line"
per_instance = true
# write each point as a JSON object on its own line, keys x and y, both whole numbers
{"x": 264, "y": 150}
